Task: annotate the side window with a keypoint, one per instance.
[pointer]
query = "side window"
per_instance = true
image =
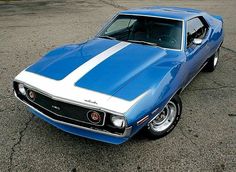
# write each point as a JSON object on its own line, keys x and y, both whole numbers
{"x": 196, "y": 28}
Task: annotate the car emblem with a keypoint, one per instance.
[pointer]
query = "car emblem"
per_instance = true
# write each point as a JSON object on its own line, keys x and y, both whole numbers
{"x": 32, "y": 95}
{"x": 90, "y": 101}
{"x": 56, "y": 107}
{"x": 94, "y": 116}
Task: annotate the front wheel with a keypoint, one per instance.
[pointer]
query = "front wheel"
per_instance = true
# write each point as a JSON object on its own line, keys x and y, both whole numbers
{"x": 167, "y": 119}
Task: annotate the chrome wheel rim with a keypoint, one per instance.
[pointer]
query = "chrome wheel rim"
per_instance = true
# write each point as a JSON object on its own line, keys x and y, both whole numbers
{"x": 165, "y": 118}
{"x": 216, "y": 58}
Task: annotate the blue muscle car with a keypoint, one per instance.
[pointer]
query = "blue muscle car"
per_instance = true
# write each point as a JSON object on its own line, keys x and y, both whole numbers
{"x": 128, "y": 77}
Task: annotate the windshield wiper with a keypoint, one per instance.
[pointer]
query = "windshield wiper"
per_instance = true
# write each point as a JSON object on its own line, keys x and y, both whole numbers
{"x": 142, "y": 42}
{"x": 107, "y": 37}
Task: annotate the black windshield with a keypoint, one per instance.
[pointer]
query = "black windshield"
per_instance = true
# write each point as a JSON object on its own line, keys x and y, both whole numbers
{"x": 166, "y": 33}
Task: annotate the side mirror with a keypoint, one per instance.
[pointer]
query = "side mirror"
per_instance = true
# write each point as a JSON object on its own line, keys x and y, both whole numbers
{"x": 197, "y": 41}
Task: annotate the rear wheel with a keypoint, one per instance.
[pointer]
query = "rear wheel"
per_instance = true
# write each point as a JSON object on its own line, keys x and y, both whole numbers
{"x": 166, "y": 121}
{"x": 212, "y": 63}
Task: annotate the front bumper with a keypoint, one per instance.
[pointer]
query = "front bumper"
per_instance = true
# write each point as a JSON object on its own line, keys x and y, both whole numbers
{"x": 83, "y": 132}
{"x": 94, "y": 134}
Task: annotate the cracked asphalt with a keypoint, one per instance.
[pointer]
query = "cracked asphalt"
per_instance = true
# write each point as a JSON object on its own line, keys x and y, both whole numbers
{"x": 204, "y": 139}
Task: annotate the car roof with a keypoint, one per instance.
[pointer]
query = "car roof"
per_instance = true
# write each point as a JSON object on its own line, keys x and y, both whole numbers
{"x": 165, "y": 12}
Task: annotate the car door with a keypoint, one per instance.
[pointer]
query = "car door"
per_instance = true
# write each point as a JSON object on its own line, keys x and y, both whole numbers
{"x": 197, "y": 49}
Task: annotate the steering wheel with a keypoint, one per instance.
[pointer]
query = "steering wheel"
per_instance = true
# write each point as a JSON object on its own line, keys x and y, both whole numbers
{"x": 166, "y": 39}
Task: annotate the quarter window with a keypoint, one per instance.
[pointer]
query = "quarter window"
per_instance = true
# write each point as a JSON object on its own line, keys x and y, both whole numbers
{"x": 196, "y": 28}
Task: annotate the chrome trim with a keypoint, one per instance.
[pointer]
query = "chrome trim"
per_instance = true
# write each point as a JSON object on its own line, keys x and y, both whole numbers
{"x": 143, "y": 15}
{"x": 141, "y": 121}
{"x": 183, "y": 36}
{"x": 154, "y": 111}
{"x": 95, "y": 123}
{"x": 126, "y": 133}
{"x": 169, "y": 116}
{"x": 69, "y": 101}
{"x": 146, "y": 15}
{"x": 66, "y": 116}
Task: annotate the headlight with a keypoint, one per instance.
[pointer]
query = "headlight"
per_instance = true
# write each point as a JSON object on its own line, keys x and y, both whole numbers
{"x": 21, "y": 89}
{"x": 118, "y": 121}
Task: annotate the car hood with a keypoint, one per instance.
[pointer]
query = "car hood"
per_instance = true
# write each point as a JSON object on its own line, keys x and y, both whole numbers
{"x": 119, "y": 69}
{"x": 100, "y": 68}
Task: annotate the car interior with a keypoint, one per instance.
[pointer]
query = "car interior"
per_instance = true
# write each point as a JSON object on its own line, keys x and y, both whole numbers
{"x": 165, "y": 33}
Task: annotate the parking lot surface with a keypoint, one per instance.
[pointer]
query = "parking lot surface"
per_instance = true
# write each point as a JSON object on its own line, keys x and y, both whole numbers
{"x": 204, "y": 139}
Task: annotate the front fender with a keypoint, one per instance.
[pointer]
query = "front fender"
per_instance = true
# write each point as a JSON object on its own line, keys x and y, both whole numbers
{"x": 165, "y": 86}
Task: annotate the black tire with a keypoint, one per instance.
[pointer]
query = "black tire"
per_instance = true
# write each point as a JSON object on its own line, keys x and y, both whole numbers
{"x": 152, "y": 133}
{"x": 212, "y": 63}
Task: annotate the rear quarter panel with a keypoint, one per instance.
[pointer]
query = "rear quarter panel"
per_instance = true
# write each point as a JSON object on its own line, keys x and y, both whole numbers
{"x": 216, "y": 32}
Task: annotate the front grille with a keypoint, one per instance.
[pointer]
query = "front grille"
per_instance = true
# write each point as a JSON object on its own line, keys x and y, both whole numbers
{"x": 67, "y": 112}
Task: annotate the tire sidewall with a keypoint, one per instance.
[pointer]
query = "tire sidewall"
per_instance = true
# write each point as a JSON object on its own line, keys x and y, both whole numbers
{"x": 218, "y": 54}
{"x": 154, "y": 134}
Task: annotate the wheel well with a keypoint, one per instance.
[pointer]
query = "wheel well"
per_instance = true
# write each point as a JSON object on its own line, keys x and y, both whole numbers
{"x": 221, "y": 43}
{"x": 179, "y": 91}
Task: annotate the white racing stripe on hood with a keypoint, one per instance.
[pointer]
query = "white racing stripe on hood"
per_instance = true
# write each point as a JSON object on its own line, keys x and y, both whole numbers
{"x": 71, "y": 93}
{"x": 66, "y": 90}
{"x": 78, "y": 73}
